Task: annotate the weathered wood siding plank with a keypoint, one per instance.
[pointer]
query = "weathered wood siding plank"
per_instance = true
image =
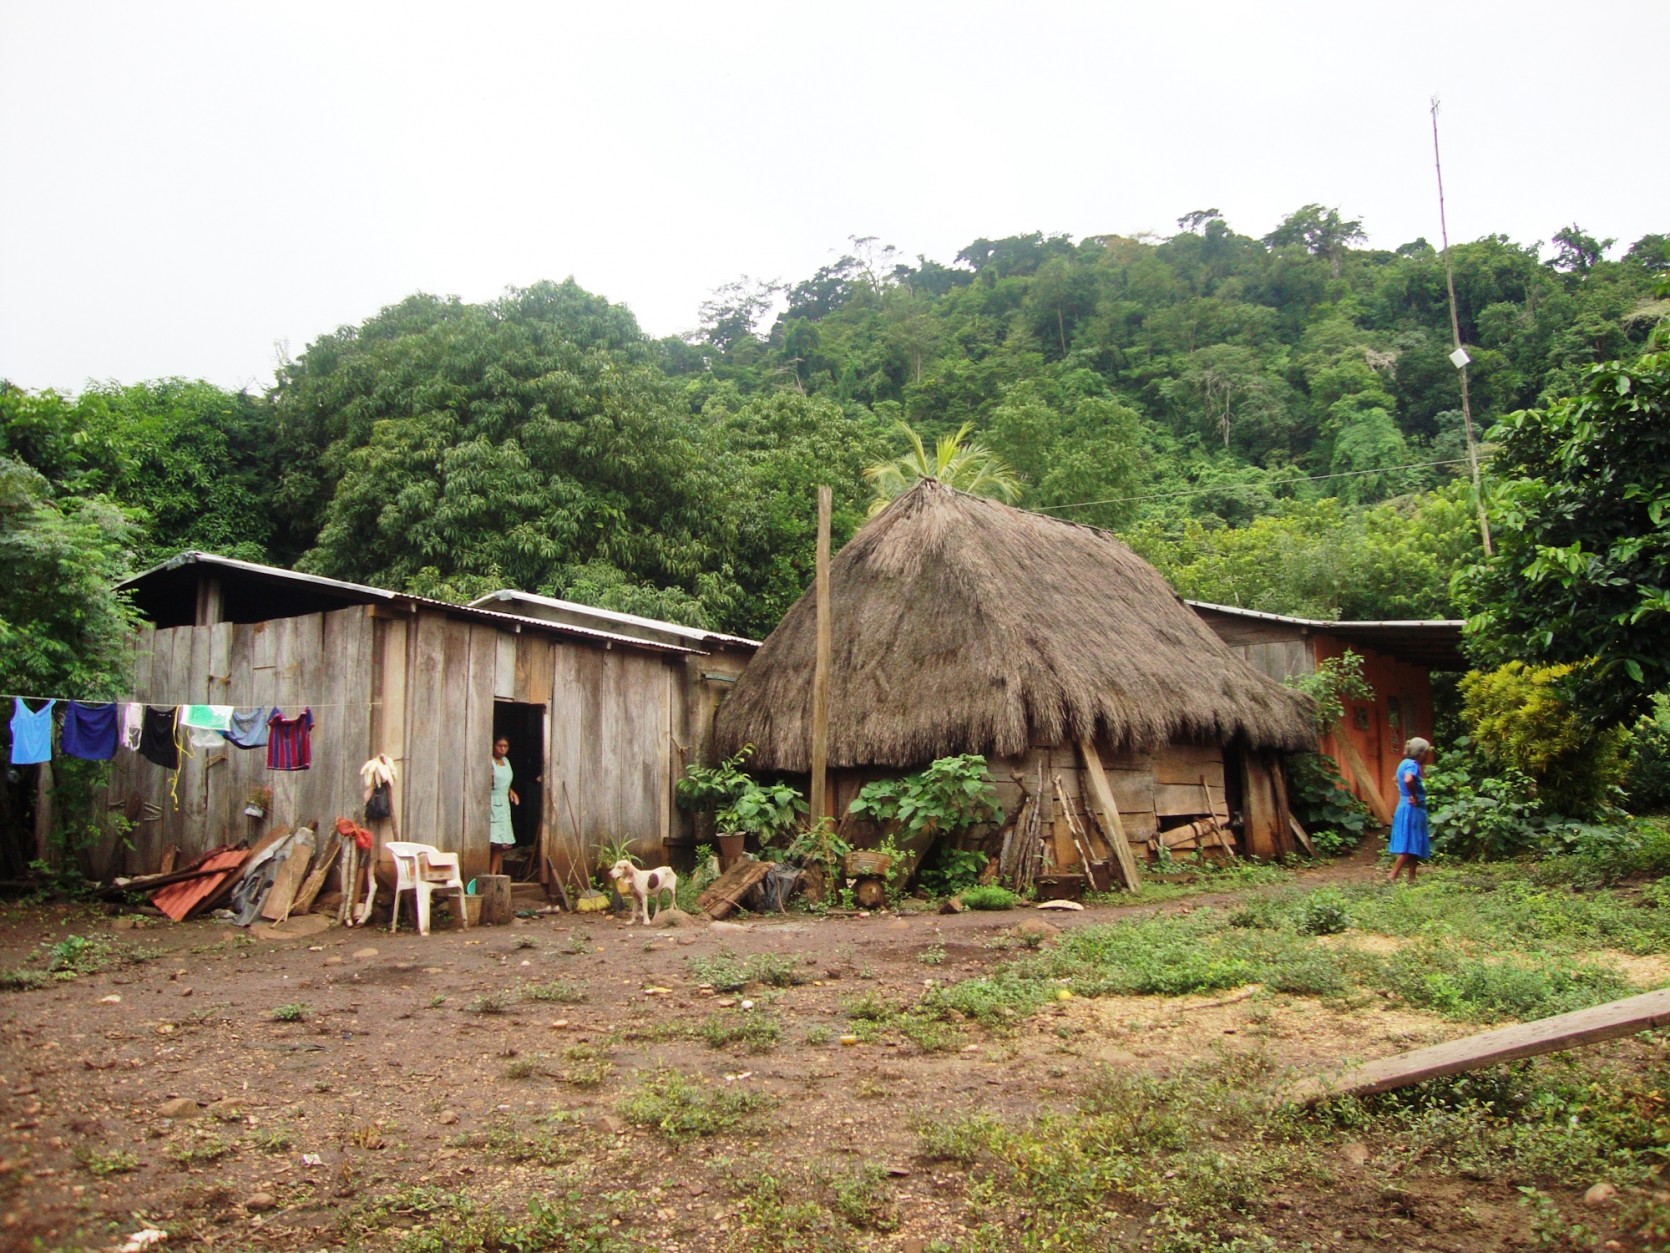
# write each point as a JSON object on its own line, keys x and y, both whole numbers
{"x": 389, "y": 690}
{"x": 476, "y": 750}
{"x": 563, "y": 750}
{"x": 223, "y": 801}
{"x": 426, "y": 715}
{"x": 504, "y": 664}
{"x": 458, "y": 759}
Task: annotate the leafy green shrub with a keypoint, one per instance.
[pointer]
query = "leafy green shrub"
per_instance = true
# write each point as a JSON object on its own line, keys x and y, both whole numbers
{"x": 738, "y": 801}
{"x": 1480, "y": 810}
{"x": 1323, "y": 914}
{"x": 1647, "y": 765}
{"x": 1334, "y": 818}
{"x": 954, "y": 794}
{"x": 1333, "y": 680}
{"x": 1520, "y": 717}
{"x": 951, "y": 870}
{"x": 990, "y": 896}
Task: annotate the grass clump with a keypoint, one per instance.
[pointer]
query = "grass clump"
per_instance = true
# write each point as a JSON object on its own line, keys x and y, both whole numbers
{"x": 1462, "y": 985}
{"x": 818, "y": 1207}
{"x": 559, "y": 991}
{"x": 585, "y": 1066}
{"x": 294, "y": 1012}
{"x": 1195, "y": 1148}
{"x": 102, "y": 1163}
{"x": 22, "y": 980}
{"x": 448, "y": 1223}
{"x": 536, "y": 1142}
{"x": 753, "y": 1032}
{"x": 989, "y": 896}
{"x": 681, "y": 1108}
{"x": 726, "y": 971}
{"x": 490, "y": 1003}
{"x": 197, "y": 1151}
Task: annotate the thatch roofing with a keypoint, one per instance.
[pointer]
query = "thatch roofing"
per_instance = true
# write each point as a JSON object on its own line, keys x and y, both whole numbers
{"x": 963, "y": 625}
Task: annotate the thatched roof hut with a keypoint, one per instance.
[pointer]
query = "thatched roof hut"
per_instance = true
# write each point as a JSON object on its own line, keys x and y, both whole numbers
{"x": 963, "y": 625}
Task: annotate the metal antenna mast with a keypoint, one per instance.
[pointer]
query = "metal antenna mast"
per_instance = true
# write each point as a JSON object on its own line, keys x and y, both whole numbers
{"x": 1459, "y": 357}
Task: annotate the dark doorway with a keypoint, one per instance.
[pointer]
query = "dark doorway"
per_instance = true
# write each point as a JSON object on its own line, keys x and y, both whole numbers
{"x": 524, "y": 726}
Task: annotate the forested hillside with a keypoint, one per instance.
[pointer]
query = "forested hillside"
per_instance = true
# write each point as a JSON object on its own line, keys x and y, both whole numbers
{"x": 1273, "y": 421}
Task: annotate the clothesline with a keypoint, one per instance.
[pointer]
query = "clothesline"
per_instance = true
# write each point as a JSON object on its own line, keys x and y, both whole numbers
{"x": 135, "y": 700}
{"x": 94, "y": 730}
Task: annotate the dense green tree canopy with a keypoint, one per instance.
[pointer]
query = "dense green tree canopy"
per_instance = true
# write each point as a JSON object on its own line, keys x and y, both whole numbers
{"x": 1275, "y": 421}
{"x": 1582, "y": 526}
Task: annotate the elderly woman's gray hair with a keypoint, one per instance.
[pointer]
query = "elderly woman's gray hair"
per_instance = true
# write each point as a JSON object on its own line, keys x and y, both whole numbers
{"x": 1416, "y": 746}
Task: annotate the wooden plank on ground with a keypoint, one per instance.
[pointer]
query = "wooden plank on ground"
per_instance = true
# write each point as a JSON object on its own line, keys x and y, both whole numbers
{"x": 1366, "y": 784}
{"x": 1300, "y": 834}
{"x": 288, "y": 880}
{"x": 323, "y": 864}
{"x": 1107, "y": 815}
{"x": 1505, "y": 1044}
{"x": 723, "y": 894}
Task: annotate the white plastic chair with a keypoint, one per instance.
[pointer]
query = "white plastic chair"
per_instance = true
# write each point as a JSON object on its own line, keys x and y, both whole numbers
{"x": 424, "y": 869}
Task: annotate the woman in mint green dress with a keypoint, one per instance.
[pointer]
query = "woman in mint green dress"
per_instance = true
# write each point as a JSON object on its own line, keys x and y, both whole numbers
{"x": 499, "y": 833}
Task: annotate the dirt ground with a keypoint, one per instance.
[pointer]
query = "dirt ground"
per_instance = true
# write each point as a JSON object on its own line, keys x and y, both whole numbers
{"x": 172, "y": 1091}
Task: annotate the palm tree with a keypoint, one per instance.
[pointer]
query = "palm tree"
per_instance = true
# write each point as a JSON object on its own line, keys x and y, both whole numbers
{"x": 969, "y": 467}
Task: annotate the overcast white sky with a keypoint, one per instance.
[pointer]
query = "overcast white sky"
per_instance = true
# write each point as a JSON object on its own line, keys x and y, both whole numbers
{"x": 187, "y": 185}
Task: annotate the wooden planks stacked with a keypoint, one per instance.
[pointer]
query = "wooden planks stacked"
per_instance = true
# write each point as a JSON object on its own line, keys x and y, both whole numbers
{"x": 726, "y": 892}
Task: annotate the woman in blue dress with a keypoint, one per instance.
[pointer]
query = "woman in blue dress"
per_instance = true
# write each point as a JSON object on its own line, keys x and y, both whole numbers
{"x": 1411, "y": 844}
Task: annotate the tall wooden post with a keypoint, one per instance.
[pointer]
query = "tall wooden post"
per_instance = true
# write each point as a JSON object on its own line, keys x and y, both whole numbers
{"x": 820, "y": 668}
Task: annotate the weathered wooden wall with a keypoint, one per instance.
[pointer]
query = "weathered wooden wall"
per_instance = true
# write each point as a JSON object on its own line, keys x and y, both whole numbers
{"x": 1378, "y": 728}
{"x": 421, "y": 688}
{"x": 1152, "y": 789}
{"x": 322, "y": 661}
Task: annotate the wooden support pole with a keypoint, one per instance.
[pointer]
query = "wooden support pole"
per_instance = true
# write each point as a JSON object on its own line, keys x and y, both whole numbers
{"x": 820, "y": 667}
{"x": 1107, "y": 814}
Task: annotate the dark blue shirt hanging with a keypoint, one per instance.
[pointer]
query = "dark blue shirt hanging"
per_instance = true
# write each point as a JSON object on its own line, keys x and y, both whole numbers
{"x": 89, "y": 731}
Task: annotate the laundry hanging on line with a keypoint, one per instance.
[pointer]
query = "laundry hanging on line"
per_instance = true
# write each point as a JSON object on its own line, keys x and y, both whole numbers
{"x": 89, "y": 731}
{"x": 31, "y": 733}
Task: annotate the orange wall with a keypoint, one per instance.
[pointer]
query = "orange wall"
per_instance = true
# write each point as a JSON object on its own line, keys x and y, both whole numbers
{"x": 1398, "y": 686}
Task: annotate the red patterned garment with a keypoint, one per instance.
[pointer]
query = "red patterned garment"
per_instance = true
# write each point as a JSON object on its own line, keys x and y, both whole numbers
{"x": 289, "y": 746}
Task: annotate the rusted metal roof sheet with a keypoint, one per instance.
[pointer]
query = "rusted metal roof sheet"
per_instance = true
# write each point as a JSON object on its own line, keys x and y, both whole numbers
{"x": 177, "y": 900}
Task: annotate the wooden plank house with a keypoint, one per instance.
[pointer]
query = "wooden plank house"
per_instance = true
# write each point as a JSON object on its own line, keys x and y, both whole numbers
{"x": 1399, "y": 659}
{"x": 960, "y": 625}
{"x": 598, "y": 718}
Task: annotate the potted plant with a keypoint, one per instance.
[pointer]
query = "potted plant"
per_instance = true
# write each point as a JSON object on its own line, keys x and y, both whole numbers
{"x": 741, "y": 806}
{"x": 762, "y": 810}
{"x": 258, "y": 800}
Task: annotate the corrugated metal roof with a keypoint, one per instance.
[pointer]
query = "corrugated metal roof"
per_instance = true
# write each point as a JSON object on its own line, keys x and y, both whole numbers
{"x": 177, "y": 900}
{"x": 1433, "y": 642}
{"x": 362, "y": 593}
{"x": 695, "y": 635}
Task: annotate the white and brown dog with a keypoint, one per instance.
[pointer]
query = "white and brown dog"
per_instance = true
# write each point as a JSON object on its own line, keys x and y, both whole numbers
{"x": 644, "y": 885}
